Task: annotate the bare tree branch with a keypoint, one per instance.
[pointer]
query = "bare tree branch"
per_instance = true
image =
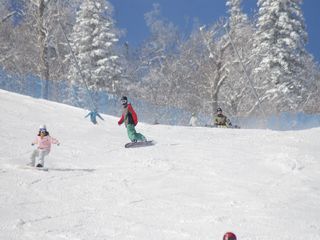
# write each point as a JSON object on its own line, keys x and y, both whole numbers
{"x": 8, "y": 16}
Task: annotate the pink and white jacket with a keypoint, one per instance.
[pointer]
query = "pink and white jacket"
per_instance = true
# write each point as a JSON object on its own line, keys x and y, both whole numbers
{"x": 45, "y": 142}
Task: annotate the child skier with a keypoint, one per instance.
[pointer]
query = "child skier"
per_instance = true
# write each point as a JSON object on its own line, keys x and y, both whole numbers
{"x": 129, "y": 117}
{"x": 93, "y": 116}
{"x": 44, "y": 141}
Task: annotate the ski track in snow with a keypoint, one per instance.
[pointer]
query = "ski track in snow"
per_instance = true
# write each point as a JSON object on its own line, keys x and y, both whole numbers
{"x": 195, "y": 183}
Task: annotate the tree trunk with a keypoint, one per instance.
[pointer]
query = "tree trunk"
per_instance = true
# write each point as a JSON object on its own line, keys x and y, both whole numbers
{"x": 217, "y": 83}
{"x": 43, "y": 45}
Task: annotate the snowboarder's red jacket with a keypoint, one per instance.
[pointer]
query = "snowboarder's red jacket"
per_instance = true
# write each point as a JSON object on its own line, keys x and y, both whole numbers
{"x": 128, "y": 116}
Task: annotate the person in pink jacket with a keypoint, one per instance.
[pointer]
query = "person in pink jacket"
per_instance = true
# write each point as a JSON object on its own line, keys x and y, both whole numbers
{"x": 43, "y": 142}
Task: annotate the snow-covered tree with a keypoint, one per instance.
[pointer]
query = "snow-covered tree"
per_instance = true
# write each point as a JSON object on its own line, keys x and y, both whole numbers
{"x": 34, "y": 42}
{"x": 280, "y": 43}
{"x": 18, "y": 51}
{"x": 214, "y": 70}
{"x": 129, "y": 61}
{"x": 311, "y": 75}
{"x": 236, "y": 16}
{"x": 155, "y": 56}
{"x": 93, "y": 40}
{"x": 237, "y": 94}
{"x": 5, "y": 32}
{"x": 185, "y": 74}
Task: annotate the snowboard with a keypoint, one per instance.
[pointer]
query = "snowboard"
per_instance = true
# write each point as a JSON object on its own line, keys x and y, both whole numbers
{"x": 35, "y": 168}
{"x": 138, "y": 144}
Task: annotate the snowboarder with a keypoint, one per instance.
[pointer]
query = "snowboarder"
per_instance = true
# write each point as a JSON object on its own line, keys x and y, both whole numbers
{"x": 193, "y": 120}
{"x": 130, "y": 119}
{"x": 229, "y": 236}
{"x": 44, "y": 141}
{"x": 93, "y": 116}
{"x": 221, "y": 120}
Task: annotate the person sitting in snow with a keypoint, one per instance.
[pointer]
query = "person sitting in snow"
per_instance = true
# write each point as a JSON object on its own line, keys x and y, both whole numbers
{"x": 221, "y": 120}
{"x": 130, "y": 119}
{"x": 44, "y": 141}
{"x": 93, "y": 116}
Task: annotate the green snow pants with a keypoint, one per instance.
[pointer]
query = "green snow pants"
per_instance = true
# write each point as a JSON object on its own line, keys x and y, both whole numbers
{"x": 133, "y": 135}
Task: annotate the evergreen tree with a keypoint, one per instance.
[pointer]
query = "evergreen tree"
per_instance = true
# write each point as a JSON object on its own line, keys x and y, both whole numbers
{"x": 280, "y": 42}
{"x": 93, "y": 39}
{"x": 237, "y": 17}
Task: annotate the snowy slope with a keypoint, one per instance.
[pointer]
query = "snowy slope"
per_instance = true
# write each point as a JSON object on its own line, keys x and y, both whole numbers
{"x": 195, "y": 183}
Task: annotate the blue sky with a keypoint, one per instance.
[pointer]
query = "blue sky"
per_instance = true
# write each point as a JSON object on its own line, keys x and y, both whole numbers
{"x": 129, "y": 15}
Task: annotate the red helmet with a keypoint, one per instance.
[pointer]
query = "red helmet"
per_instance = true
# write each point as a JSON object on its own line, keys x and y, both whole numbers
{"x": 229, "y": 236}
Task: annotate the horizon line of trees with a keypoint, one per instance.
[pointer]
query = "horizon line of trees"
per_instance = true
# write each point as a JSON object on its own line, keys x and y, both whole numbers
{"x": 248, "y": 65}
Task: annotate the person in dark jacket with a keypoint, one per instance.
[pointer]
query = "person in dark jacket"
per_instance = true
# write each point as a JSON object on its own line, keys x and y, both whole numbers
{"x": 221, "y": 120}
{"x": 130, "y": 119}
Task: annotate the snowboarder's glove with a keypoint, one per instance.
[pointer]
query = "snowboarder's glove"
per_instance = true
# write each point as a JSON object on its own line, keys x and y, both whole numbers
{"x": 32, "y": 144}
{"x": 58, "y": 144}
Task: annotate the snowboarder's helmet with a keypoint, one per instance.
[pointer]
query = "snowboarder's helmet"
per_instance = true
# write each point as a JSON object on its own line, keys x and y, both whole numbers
{"x": 219, "y": 110}
{"x": 124, "y": 100}
{"x": 43, "y": 127}
{"x": 229, "y": 236}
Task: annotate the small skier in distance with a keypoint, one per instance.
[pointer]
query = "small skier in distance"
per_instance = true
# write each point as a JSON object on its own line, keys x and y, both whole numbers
{"x": 93, "y": 116}
{"x": 44, "y": 141}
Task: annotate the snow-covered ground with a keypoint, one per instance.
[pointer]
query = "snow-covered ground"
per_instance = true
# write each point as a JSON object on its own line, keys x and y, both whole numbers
{"x": 195, "y": 183}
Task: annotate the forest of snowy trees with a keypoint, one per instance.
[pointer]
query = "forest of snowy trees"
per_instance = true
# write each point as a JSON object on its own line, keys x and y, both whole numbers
{"x": 248, "y": 65}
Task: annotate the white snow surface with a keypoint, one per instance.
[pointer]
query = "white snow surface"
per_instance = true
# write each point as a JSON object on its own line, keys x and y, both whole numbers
{"x": 195, "y": 183}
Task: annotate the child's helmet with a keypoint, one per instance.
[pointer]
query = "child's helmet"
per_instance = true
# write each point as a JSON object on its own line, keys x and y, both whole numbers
{"x": 229, "y": 236}
{"x": 219, "y": 109}
{"x": 42, "y": 127}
